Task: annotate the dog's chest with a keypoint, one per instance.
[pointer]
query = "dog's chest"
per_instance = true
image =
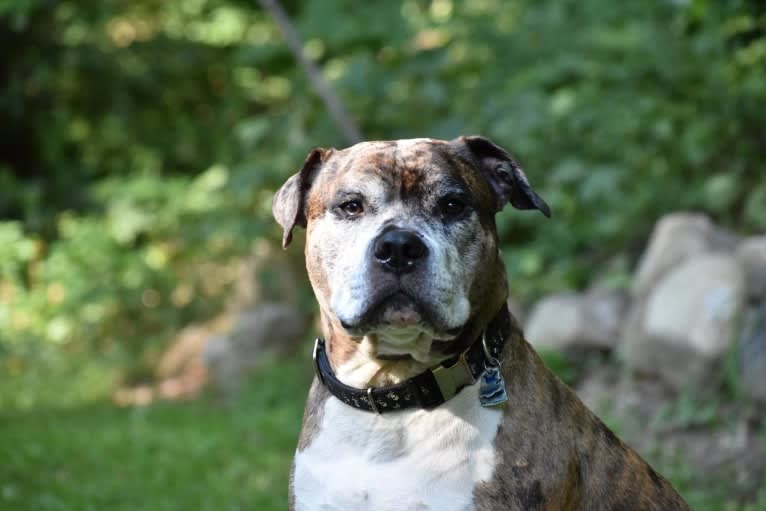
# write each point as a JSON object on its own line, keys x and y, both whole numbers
{"x": 410, "y": 460}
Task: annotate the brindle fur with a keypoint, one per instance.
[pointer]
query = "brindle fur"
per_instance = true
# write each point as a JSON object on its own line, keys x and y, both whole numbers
{"x": 553, "y": 453}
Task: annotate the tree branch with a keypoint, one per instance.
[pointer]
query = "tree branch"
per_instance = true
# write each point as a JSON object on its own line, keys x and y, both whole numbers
{"x": 331, "y": 101}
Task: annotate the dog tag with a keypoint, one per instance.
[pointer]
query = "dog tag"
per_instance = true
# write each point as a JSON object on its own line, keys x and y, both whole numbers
{"x": 492, "y": 388}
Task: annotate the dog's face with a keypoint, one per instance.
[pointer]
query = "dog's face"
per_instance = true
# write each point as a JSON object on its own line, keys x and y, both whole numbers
{"x": 401, "y": 241}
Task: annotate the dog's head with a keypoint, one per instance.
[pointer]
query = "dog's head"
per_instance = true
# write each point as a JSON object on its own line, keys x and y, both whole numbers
{"x": 401, "y": 241}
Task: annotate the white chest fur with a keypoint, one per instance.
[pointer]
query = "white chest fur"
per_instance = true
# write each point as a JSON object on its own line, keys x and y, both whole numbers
{"x": 410, "y": 460}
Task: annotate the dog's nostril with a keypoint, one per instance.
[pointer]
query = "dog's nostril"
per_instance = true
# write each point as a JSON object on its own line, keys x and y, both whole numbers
{"x": 383, "y": 251}
{"x": 398, "y": 250}
{"x": 414, "y": 250}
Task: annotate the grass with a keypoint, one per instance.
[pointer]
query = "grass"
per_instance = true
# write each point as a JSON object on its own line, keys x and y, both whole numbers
{"x": 204, "y": 454}
{"x": 65, "y": 446}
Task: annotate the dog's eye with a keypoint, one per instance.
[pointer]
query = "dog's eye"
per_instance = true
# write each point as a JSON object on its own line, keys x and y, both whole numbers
{"x": 451, "y": 207}
{"x": 352, "y": 208}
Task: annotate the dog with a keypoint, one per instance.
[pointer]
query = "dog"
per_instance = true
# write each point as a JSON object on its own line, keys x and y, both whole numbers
{"x": 427, "y": 396}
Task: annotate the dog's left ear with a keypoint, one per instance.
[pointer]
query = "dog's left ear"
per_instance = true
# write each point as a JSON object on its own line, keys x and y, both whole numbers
{"x": 504, "y": 175}
{"x": 289, "y": 203}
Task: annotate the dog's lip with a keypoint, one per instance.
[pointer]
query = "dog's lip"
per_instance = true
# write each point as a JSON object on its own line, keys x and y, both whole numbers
{"x": 400, "y": 308}
{"x": 395, "y": 300}
{"x": 373, "y": 318}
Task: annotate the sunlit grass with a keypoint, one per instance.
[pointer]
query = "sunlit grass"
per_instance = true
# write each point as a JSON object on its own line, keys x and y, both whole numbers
{"x": 207, "y": 454}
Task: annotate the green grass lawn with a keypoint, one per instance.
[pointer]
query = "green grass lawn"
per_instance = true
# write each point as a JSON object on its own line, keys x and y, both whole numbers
{"x": 204, "y": 454}
{"x": 65, "y": 446}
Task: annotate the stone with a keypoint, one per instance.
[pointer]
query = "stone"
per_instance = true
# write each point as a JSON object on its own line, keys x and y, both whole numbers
{"x": 573, "y": 321}
{"x": 751, "y": 253}
{"x": 268, "y": 275}
{"x": 604, "y": 311}
{"x": 676, "y": 238}
{"x": 751, "y": 352}
{"x": 186, "y": 348}
{"x": 555, "y": 322}
{"x": 687, "y": 322}
{"x": 181, "y": 372}
{"x": 266, "y": 330}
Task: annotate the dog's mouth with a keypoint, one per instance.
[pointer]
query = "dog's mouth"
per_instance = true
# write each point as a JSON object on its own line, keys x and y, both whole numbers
{"x": 401, "y": 315}
{"x": 402, "y": 327}
{"x": 399, "y": 309}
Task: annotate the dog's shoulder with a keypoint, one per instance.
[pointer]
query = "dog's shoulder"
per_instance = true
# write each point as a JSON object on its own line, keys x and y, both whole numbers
{"x": 554, "y": 453}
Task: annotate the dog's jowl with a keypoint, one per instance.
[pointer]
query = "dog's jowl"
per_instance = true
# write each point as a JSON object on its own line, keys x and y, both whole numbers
{"x": 427, "y": 396}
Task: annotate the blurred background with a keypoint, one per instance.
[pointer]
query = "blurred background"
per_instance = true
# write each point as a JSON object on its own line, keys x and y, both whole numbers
{"x": 154, "y": 338}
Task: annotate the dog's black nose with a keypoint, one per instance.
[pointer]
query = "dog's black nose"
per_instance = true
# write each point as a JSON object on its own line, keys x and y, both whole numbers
{"x": 398, "y": 250}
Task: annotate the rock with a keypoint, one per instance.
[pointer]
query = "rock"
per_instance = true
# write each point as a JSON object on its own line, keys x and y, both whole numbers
{"x": 185, "y": 349}
{"x": 751, "y": 253}
{"x": 752, "y": 355}
{"x": 555, "y": 321}
{"x": 647, "y": 414}
{"x": 267, "y": 329}
{"x": 181, "y": 372}
{"x": 569, "y": 321}
{"x": 604, "y": 311}
{"x": 687, "y": 322}
{"x": 605, "y": 389}
{"x": 677, "y": 237}
{"x": 269, "y": 275}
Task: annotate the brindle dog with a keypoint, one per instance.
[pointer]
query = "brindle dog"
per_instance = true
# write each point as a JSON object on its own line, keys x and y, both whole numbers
{"x": 402, "y": 253}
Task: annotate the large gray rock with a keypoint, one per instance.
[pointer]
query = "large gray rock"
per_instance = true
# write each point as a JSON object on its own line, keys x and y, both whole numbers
{"x": 676, "y": 238}
{"x": 569, "y": 321}
{"x": 555, "y": 321}
{"x": 752, "y": 355}
{"x": 751, "y": 253}
{"x": 688, "y": 321}
{"x": 605, "y": 311}
{"x": 268, "y": 329}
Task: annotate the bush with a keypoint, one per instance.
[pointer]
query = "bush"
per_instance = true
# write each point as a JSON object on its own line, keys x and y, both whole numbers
{"x": 142, "y": 140}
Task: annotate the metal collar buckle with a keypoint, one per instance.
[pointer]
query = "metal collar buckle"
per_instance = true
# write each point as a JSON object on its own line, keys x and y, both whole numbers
{"x": 450, "y": 379}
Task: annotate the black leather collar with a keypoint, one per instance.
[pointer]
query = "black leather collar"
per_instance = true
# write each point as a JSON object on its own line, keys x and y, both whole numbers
{"x": 429, "y": 388}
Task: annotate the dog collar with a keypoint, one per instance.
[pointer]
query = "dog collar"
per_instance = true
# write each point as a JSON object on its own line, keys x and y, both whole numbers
{"x": 429, "y": 388}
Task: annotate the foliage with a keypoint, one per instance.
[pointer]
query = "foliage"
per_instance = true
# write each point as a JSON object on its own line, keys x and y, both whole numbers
{"x": 126, "y": 213}
{"x": 141, "y": 141}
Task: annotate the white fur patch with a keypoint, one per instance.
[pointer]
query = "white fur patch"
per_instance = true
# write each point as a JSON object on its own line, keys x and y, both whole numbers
{"x": 409, "y": 460}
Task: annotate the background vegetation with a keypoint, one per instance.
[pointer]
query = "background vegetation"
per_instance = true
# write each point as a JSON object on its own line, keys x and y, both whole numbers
{"x": 140, "y": 143}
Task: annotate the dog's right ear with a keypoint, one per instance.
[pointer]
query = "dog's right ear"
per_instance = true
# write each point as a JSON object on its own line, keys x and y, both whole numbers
{"x": 289, "y": 203}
